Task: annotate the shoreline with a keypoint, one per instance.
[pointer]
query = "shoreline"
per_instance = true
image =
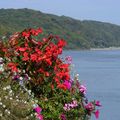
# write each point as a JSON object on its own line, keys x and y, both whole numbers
{"x": 110, "y": 48}
{"x": 94, "y": 49}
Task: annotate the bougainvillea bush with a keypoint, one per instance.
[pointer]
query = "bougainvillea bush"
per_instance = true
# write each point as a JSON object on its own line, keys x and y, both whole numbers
{"x": 35, "y": 82}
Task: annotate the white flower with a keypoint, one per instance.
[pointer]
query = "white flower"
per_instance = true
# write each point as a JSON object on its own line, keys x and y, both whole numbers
{"x": 10, "y": 91}
{"x": 11, "y": 98}
{"x": 6, "y": 97}
{"x": 0, "y": 103}
{"x": 1, "y": 68}
{"x": 35, "y": 105}
{"x": 35, "y": 113}
{"x": 8, "y": 87}
{"x": 0, "y": 114}
{"x": 1, "y": 59}
{"x": 15, "y": 73}
{"x": 29, "y": 92}
{"x": 77, "y": 75}
{"x": 27, "y": 118}
{"x": 23, "y": 71}
{"x": 16, "y": 96}
{"x": 1, "y": 65}
{"x": 19, "y": 71}
{"x": 21, "y": 78}
{"x": 3, "y": 37}
{"x": 4, "y": 88}
{"x": 4, "y": 106}
{"x": 8, "y": 112}
{"x": 36, "y": 101}
{"x": 21, "y": 83}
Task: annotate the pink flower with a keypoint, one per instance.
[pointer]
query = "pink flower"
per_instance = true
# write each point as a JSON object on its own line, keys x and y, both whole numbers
{"x": 68, "y": 59}
{"x": 39, "y": 116}
{"x": 71, "y": 105}
{"x": 66, "y": 107}
{"x": 16, "y": 77}
{"x": 97, "y": 103}
{"x": 67, "y": 84}
{"x": 63, "y": 117}
{"x": 83, "y": 89}
{"x": 38, "y": 109}
{"x": 89, "y": 106}
{"x": 75, "y": 103}
{"x": 97, "y": 114}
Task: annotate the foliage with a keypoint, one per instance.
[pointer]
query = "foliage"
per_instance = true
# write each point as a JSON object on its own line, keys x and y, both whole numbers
{"x": 79, "y": 34}
{"x": 36, "y": 83}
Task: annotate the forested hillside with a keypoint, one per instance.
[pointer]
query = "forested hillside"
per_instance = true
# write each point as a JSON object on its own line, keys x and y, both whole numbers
{"x": 78, "y": 34}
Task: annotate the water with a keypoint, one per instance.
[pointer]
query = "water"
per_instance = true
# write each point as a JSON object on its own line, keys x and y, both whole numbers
{"x": 100, "y": 72}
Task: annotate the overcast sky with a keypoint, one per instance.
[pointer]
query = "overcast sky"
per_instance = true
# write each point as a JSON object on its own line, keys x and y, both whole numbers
{"x": 100, "y": 10}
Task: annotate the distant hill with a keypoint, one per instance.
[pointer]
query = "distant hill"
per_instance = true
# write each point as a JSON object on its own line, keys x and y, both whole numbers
{"x": 79, "y": 34}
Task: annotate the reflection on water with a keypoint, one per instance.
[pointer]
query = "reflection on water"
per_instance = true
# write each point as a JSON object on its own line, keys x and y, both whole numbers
{"x": 100, "y": 72}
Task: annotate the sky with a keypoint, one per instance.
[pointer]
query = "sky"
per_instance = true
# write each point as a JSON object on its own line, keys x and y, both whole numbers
{"x": 99, "y": 10}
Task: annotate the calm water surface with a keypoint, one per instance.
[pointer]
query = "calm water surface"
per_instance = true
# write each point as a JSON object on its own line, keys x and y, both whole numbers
{"x": 100, "y": 72}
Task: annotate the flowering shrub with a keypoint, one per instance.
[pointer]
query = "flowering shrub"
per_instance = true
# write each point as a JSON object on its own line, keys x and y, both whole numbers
{"x": 37, "y": 78}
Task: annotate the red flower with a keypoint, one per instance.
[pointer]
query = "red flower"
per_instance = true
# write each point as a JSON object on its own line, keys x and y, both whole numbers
{"x": 47, "y": 74}
{"x": 39, "y": 30}
{"x": 26, "y": 34}
{"x": 41, "y": 57}
{"x": 44, "y": 39}
{"x": 33, "y": 57}
{"x": 61, "y": 43}
{"x": 62, "y": 86}
{"x": 44, "y": 72}
{"x": 39, "y": 52}
{"x": 26, "y": 44}
{"x": 66, "y": 76}
{"x": 59, "y": 51}
{"x": 22, "y": 49}
{"x": 36, "y": 32}
{"x": 25, "y": 56}
{"x": 13, "y": 66}
{"x": 52, "y": 86}
{"x": 48, "y": 61}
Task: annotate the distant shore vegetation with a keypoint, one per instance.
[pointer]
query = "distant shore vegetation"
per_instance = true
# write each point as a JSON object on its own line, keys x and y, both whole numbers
{"x": 79, "y": 34}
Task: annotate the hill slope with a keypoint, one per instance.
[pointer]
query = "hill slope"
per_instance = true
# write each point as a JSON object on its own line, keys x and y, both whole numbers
{"x": 79, "y": 34}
